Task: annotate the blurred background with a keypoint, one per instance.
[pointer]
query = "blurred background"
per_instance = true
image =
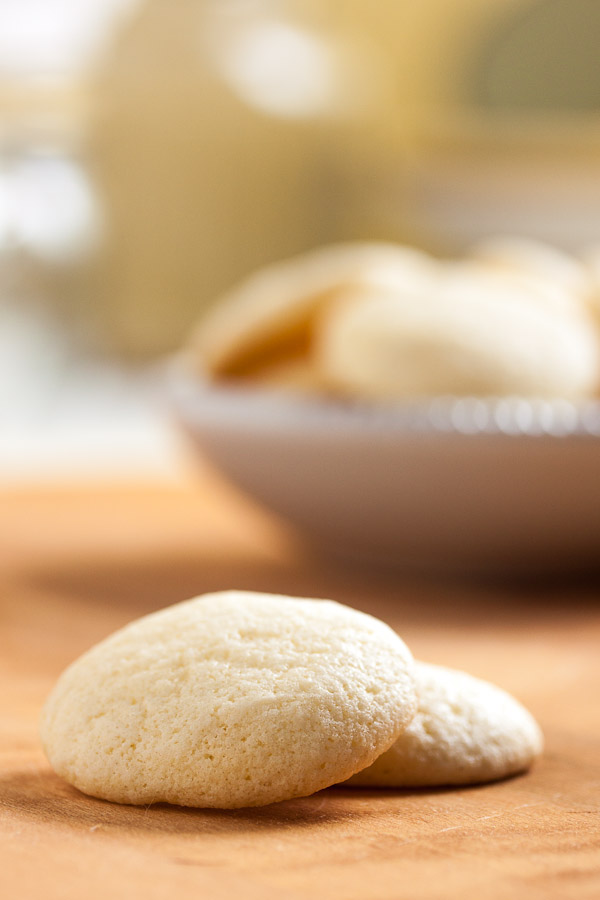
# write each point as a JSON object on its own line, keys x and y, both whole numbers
{"x": 154, "y": 151}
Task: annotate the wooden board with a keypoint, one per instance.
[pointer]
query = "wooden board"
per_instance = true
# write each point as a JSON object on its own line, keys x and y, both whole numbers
{"x": 76, "y": 563}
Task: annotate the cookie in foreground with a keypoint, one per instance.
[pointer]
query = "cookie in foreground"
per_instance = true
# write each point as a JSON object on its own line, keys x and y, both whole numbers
{"x": 465, "y": 731}
{"x": 229, "y": 700}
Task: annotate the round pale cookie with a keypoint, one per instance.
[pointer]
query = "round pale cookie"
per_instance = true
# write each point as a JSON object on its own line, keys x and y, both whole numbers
{"x": 229, "y": 700}
{"x": 533, "y": 258}
{"x": 553, "y": 296}
{"x": 465, "y": 731}
{"x": 472, "y": 334}
{"x": 294, "y": 375}
{"x": 275, "y": 306}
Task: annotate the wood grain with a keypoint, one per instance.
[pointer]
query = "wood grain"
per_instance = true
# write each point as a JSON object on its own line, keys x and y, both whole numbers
{"x": 78, "y": 562}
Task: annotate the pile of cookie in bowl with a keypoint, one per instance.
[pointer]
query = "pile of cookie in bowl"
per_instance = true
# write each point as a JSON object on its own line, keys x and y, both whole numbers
{"x": 385, "y": 322}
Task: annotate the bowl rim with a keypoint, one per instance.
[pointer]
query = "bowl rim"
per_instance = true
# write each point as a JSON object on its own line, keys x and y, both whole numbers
{"x": 202, "y": 400}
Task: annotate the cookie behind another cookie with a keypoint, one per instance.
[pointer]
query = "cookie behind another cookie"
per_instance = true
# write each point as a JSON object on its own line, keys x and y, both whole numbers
{"x": 465, "y": 731}
{"x": 229, "y": 700}
{"x": 536, "y": 259}
{"x": 272, "y": 311}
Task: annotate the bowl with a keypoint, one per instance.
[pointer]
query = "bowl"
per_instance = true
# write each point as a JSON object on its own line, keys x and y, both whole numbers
{"x": 465, "y": 483}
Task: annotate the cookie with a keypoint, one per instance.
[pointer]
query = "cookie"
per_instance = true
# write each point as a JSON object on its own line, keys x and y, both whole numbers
{"x": 536, "y": 260}
{"x": 471, "y": 334}
{"x": 465, "y": 731}
{"x": 292, "y": 375}
{"x": 273, "y": 310}
{"x": 230, "y": 700}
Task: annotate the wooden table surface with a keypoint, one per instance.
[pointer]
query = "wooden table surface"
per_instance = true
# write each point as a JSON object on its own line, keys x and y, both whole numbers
{"x": 78, "y": 562}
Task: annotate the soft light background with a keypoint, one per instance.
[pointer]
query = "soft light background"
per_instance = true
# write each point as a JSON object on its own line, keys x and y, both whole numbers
{"x": 153, "y": 151}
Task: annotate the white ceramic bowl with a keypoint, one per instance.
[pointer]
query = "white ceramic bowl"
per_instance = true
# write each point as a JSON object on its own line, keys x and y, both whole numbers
{"x": 463, "y": 484}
